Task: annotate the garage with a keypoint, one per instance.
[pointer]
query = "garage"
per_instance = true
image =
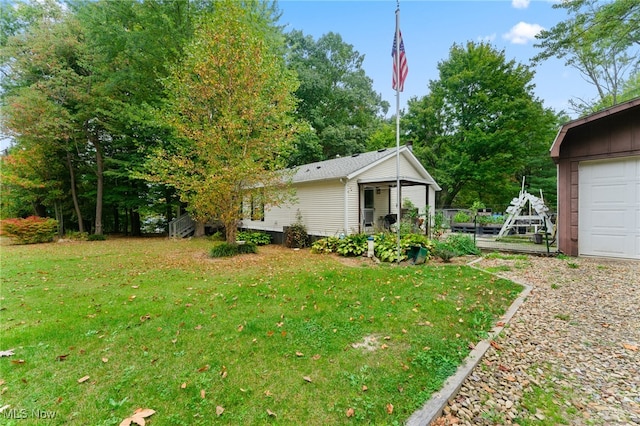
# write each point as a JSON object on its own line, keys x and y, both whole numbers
{"x": 609, "y": 208}
{"x": 598, "y": 163}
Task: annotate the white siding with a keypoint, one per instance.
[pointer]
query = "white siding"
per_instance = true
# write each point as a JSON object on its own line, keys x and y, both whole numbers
{"x": 387, "y": 169}
{"x": 321, "y": 205}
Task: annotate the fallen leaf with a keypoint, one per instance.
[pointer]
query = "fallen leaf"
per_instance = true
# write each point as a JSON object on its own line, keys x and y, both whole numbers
{"x": 219, "y": 410}
{"x": 198, "y": 327}
{"x": 138, "y": 417}
{"x": 389, "y": 408}
{"x": 105, "y": 360}
{"x": 387, "y": 337}
{"x": 62, "y": 357}
{"x": 267, "y": 393}
{"x": 298, "y": 354}
{"x": 500, "y": 323}
{"x": 183, "y": 386}
{"x": 496, "y": 345}
{"x": 17, "y": 361}
{"x": 203, "y": 368}
{"x": 271, "y": 413}
{"x": 511, "y": 378}
{"x": 83, "y": 379}
{"x": 307, "y": 379}
{"x": 6, "y": 353}
{"x": 203, "y": 393}
{"x": 384, "y": 346}
{"x": 315, "y": 357}
{"x": 364, "y": 388}
{"x": 350, "y": 412}
{"x": 503, "y": 368}
{"x": 240, "y": 328}
{"x": 633, "y": 348}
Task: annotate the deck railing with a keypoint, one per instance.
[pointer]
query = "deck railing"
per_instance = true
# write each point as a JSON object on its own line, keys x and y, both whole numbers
{"x": 181, "y": 226}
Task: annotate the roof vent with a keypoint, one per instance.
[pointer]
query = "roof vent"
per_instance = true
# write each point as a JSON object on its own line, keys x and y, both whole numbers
{"x": 318, "y": 167}
{"x": 306, "y": 171}
{"x": 382, "y": 150}
{"x": 354, "y": 155}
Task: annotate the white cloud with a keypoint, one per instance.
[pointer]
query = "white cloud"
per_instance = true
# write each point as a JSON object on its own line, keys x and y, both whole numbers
{"x": 520, "y": 4}
{"x": 522, "y": 32}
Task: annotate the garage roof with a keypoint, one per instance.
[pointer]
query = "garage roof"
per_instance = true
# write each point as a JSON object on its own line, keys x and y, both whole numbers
{"x": 608, "y": 112}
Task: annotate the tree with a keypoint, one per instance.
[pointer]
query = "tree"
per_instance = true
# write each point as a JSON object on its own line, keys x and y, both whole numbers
{"x": 45, "y": 82}
{"x": 599, "y": 39}
{"x": 336, "y": 98}
{"x": 479, "y": 126}
{"x": 231, "y": 104}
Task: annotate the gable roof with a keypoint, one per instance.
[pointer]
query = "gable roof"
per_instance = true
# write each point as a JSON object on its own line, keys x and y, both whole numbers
{"x": 351, "y": 166}
{"x": 608, "y": 112}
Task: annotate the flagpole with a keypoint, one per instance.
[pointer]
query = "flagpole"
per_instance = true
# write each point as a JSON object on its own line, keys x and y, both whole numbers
{"x": 397, "y": 67}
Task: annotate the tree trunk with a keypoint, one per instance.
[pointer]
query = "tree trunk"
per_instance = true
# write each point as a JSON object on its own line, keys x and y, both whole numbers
{"x": 199, "y": 232}
{"x": 74, "y": 194}
{"x": 135, "y": 223}
{"x": 230, "y": 232}
{"x": 99, "y": 184}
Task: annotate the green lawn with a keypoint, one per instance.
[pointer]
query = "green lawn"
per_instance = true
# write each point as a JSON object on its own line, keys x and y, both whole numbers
{"x": 268, "y": 338}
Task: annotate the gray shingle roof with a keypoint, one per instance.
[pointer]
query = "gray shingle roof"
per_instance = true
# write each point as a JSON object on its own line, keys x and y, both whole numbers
{"x": 339, "y": 167}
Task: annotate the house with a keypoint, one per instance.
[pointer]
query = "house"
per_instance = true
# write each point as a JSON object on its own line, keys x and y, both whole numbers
{"x": 598, "y": 162}
{"x": 351, "y": 194}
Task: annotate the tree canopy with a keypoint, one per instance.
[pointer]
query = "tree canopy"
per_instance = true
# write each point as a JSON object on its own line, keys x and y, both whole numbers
{"x": 602, "y": 41}
{"x": 231, "y": 103}
{"x": 337, "y": 103}
{"x": 480, "y": 126}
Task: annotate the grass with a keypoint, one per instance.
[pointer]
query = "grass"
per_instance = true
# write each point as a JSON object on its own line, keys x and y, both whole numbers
{"x": 267, "y": 337}
{"x": 547, "y": 405}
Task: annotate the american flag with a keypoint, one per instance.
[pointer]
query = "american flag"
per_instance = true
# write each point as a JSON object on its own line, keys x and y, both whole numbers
{"x": 400, "y": 68}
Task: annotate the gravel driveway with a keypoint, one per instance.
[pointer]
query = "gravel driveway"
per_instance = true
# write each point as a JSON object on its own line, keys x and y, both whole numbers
{"x": 573, "y": 346}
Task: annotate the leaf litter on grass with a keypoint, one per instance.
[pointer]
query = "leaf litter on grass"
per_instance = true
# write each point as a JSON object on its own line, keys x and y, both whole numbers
{"x": 342, "y": 305}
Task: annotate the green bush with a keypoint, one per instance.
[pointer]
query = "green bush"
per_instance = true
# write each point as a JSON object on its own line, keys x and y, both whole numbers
{"x": 352, "y": 245}
{"x": 444, "y": 251}
{"x": 257, "y": 238}
{"x": 325, "y": 245}
{"x": 76, "y": 236}
{"x": 462, "y": 244}
{"x": 225, "y": 249}
{"x": 461, "y": 217}
{"x": 96, "y": 237}
{"x": 31, "y": 230}
{"x": 386, "y": 248}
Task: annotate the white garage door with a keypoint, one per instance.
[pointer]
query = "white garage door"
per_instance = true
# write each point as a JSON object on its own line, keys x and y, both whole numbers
{"x": 609, "y": 208}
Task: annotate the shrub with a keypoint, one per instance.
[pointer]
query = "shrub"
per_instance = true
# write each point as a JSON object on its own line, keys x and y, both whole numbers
{"x": 296, "y": 235}
{"x": 257, "y": 238}
{"x": 462, "y": 244}
{"x": 76, "y": 236}
{"x": 225, "y": 249}
{"x": 31, "y": 230}
{"x": 444, "y": 251}
{"x": 325, "y": 245}
{"x": 461, "y": 217}
{"x": 96, "y": 237}
{"x": 386, "y": 248}
{"x": 352, "y": 245}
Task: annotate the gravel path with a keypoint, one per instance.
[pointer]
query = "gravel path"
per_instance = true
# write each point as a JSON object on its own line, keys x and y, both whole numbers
{"x": 573, "y": 346}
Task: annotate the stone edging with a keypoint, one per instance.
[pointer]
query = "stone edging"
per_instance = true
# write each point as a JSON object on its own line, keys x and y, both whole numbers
{"x": 433, "y": 408}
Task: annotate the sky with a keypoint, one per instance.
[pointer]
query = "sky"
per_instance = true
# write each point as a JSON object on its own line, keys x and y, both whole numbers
{"x": 429, "y": 29}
